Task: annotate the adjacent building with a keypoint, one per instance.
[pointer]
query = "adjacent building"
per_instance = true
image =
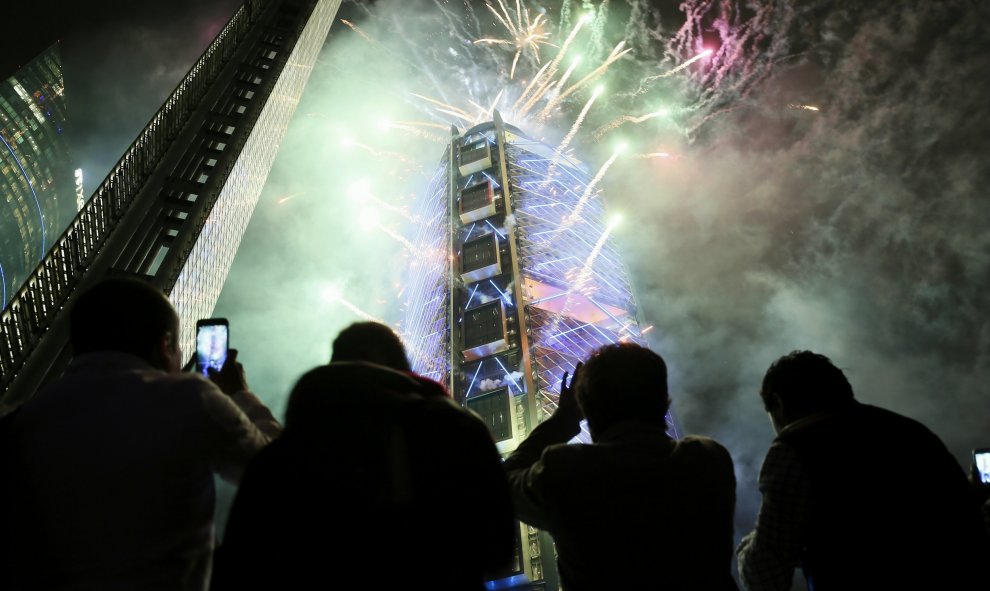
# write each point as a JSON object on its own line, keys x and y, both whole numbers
{"x": 173, "y": 209}
{"x": 37, "y": 191}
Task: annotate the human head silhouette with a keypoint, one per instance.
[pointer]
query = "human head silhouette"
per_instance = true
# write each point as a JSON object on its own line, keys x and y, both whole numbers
{"x": 622, "y": 382}
{"x": 126, "y": 315}
{"x": 803, "y": 383}
{"x": 372, "y": 342}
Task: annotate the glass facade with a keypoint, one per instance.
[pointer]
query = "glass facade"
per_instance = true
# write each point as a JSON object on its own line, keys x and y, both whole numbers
{"x": 198, "y": 286}
{"x": 37, "y": 191}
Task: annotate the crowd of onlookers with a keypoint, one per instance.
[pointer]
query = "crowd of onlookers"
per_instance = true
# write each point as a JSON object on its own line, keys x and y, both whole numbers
{"x": 378, "y": 480}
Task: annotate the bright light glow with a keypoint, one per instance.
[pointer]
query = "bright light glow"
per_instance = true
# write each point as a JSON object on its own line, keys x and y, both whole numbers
{"x": 599, "y": 89}
{"x": 347, "y": 142}
{"x": 359, "y": 190}
{"x": 330, "y": 293}
{"x": 621, "y": 147}
{"x": 576, "y": 59}
{"x": 588, "y": 17}
{"x": 614, "y": 221}
{"x": 368, "y": 218}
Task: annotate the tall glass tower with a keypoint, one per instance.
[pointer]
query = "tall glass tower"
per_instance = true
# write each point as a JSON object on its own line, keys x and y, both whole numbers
{"x": 37, "y": 193}
{"x": 517, "y": 281}
{"x": 173, "y": 209}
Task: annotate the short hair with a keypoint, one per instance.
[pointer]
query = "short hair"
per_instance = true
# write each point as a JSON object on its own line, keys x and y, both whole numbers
{"x": 622, "y": 382}
{"x": 372, "y": 342}
{"x": 805, "y": 383}
{"x": 121, "y": 314}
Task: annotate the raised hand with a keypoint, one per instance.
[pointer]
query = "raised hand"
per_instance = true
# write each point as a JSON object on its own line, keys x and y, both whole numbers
{"x": 567, "y": 404}
{"x": 230, "y": 378}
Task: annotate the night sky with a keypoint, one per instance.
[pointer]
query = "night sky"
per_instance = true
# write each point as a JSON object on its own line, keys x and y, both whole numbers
{"x": 860, "y": 230}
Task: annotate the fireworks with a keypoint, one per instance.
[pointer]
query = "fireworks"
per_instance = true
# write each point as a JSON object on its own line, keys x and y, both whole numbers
{"x": 331, "y": 294}
{"x": 538, "y": 70}
{"x": 525, "y": 35}
{"x": 628, "y": 119}
{"x": 589, "y": 191}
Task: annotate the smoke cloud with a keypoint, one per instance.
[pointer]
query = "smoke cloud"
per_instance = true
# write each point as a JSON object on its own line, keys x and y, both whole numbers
{"x": 822, "y": 189}
{"x": 817, "y": 182}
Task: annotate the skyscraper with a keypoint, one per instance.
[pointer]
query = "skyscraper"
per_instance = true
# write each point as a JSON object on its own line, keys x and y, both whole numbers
{"x": 37, "y": 195}
{"x": 175, "y": 206}
{"x": 517, "y": 281}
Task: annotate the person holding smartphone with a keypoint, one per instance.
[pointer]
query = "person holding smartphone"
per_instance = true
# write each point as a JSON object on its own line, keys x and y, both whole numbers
{"x": 114, "y": 462}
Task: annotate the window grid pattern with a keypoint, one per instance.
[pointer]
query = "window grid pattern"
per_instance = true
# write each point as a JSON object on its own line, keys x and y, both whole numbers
{"x": 198, "y": 285}
{"x": 37, "y": 198}
{"x": 425, "y": 326}
{"x": 31, "y": 311}
{"x": 167, "y": 231}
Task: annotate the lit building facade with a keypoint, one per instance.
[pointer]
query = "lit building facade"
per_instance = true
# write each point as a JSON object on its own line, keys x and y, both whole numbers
{"x": 173, "y": 209}
{"x": 517, "y": 282}
{"x": 37, "y": 193}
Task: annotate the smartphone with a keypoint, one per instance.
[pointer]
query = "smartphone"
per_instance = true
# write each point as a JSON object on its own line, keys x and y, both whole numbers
{"x": 981, "y": 459}
{"x": 212, "y": 344}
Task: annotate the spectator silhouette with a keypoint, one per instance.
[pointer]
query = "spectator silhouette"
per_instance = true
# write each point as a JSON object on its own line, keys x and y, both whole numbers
{"x": 860, "y": 497}
{"x": 376, "y": 480}
{"x": 373, "y": 342}
{"x": 635, "y": 509}
{"x": 112, "y": 464}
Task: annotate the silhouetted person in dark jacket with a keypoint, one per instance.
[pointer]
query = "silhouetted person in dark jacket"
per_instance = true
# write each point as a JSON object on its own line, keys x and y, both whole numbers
{"x": 376, "y": 480}
{"x": 112, "y": 465}
{"x": 636, "y": 509}
{"x": 860, "y": 497}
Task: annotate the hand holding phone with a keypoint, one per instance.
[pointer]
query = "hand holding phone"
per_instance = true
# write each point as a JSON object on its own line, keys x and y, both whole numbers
{"x": 231, "y": 378}
{"x": 212, "y": 344}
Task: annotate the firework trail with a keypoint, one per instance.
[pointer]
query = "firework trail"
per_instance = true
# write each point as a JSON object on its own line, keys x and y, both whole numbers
{"x": 567, "y": 75}
{"x": 673, "y": 71}
{"x": 399, "y": 156}
{"x": 360, "y": 193}
{"x": 393, "y": 123}
{"x": 577, "y": 124}
{"x": 537, "y": 80}
{"x": 616, "y": 54}
{"x": 589, "y": 190}
{"x": 746, "y": 55}
{"x": 449, "y": 109}
{"x": 580, "y": 277}
{"x": 409, "y": 246}
{"x": 564, "y": 143}
{"x": 664, "y": 155}
{"x": 286, "y": 198}
{"x": 332, "y": 296}
{"x": 545, "y": 75}
{"x": 584, "y": 275}
{"x": 415, "y": 130}
{"x": 359, "y": 31}
{"x": 601, "y": 131}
